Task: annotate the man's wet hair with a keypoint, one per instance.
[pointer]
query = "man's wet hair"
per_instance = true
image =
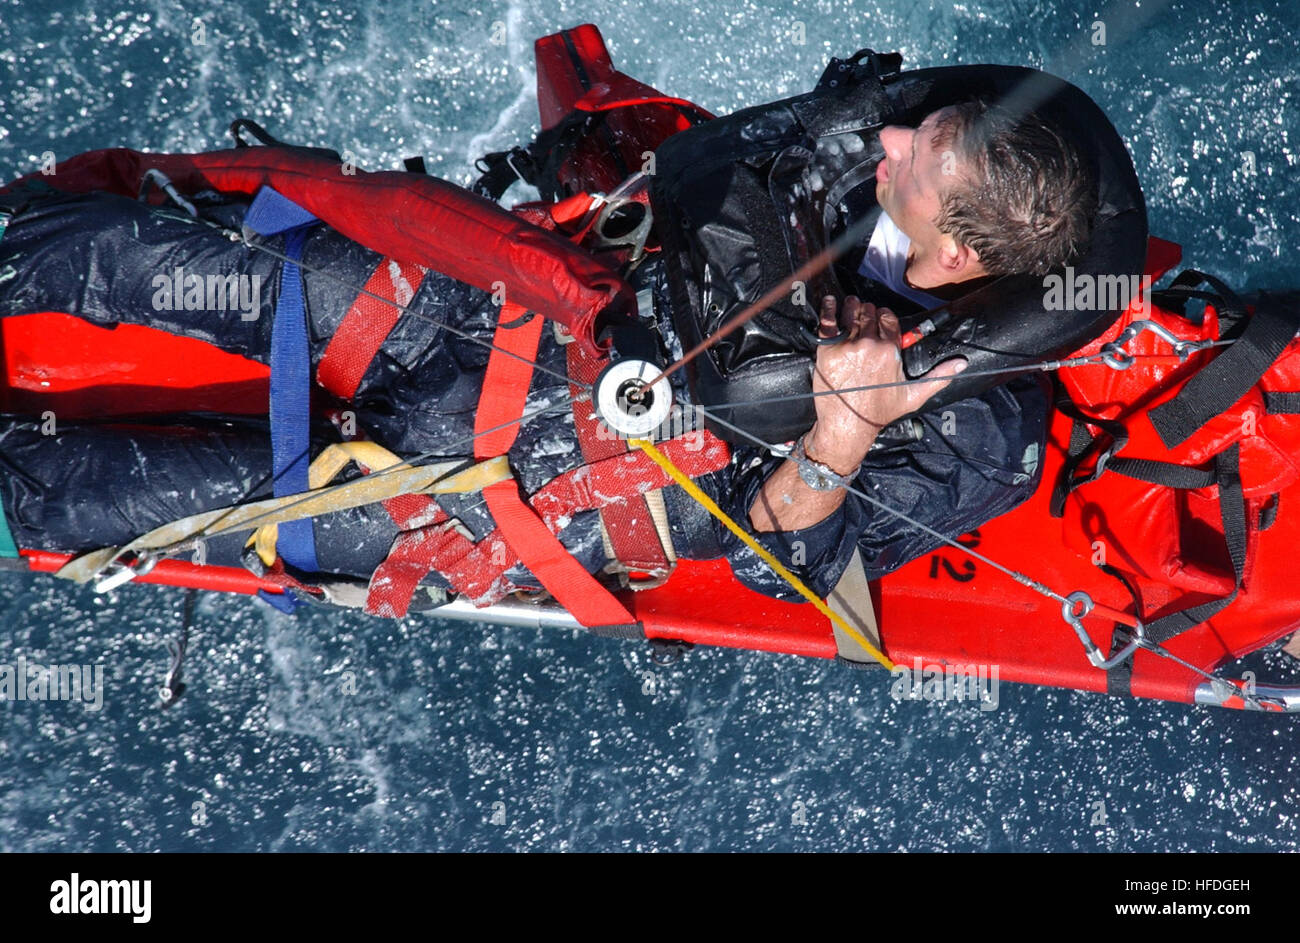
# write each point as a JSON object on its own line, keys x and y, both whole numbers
{"x": 1024, "y": 197}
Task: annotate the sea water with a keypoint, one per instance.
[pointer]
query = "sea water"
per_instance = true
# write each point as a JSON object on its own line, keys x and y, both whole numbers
{"x": 333, "y": 731}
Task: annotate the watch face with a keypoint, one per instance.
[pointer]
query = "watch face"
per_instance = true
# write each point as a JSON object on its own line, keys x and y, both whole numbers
{"x": 814, "y": 477}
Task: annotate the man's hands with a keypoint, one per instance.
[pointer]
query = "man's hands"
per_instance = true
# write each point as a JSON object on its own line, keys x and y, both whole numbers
{"x": 871, "y": 354}
{"x": 847, "y": 423}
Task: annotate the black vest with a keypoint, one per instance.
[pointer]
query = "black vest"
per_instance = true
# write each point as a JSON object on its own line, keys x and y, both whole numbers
{"x": 744, "y": 200}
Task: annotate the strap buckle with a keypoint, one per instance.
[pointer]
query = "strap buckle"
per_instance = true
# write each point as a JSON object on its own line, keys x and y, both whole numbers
{"x": 638, "y": 581}
{"x": 510, "y": 162}
{"x": 607, "y": 208}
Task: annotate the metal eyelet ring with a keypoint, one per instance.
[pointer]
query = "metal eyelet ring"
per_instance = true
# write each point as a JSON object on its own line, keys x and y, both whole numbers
{"x": 1077, "y": 599}
{"x": 813, "y": 337}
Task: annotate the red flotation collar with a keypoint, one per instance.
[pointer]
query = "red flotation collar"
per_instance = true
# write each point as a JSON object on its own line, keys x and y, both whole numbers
{"x": 416, "y": 218}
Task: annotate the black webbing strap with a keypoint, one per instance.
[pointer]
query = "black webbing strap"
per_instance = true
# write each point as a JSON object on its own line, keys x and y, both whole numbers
{"x": 259, "y": 133}
{"x": 1119, "y": 679}
{"x": 241, "y": 126}
{"x": 539, "y": 163}
{"x": 500, "y": 169}
{"x": 862, "y": 65}
{"x": 1280, "y": 403}
{"x": 1183, "y": 289}
{"x": 1268, "y": 513}
{"x": 1082, "y": 445}
{"x": 1068, "y": 480}
{"x": 1225, "y": 380}
{"x": 1163, "y": 473}
{"x": 1232, "y": 511}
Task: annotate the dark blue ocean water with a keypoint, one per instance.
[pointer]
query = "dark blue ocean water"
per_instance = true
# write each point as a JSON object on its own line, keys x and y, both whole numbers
{"x": 724, "y": 750}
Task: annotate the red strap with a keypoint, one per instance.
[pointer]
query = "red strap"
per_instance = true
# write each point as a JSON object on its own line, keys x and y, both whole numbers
{"x": 569, "y": 211}
{"x": 429, "y": 542}
{"x": 477, "y": 570}
{"x": 629, "y": 524}
{"x": 505, "y": 387}
{"x": 589, "y": 487}
{"x": 506, "y": 382}
{"x": 526, "y": 534}
{"x": 615, "y": 479}
{"x": 367, "y": 325}
{"x": 480, "y": 574}
{"x": 395, "y": 580}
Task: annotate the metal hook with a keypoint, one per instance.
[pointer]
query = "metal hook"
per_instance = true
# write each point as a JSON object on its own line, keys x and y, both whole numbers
{"x": 173, "y": 687}
{"x": 1114, "y": 355}
{"x": 163, "y": 182}
{"x": 1081, "y": 599}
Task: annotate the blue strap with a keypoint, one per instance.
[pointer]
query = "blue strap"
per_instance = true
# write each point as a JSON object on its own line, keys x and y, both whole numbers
{"x": 290, "y": 408}
{"x": 287, "y": 602}
{"x": 271, "y": 213}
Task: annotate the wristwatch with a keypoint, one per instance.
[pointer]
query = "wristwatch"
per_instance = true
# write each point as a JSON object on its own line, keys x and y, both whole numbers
{"x": 815, "y": 475}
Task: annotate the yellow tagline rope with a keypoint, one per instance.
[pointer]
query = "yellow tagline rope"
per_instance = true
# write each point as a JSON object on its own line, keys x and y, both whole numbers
{"x": 694, "y": 490}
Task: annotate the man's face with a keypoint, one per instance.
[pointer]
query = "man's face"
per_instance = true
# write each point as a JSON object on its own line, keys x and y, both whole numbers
{"x": 910, "y": 183}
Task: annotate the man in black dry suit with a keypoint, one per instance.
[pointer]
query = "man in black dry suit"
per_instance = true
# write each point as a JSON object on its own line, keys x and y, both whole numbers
{"x": 1020, "y": 202}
